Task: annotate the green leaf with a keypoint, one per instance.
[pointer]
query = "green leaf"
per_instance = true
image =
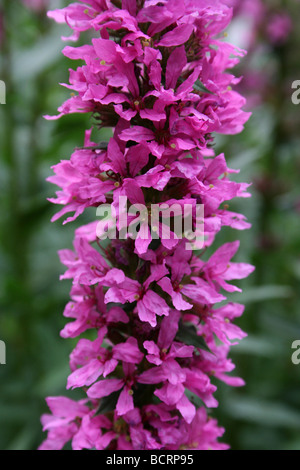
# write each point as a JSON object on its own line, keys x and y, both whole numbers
{"x": 187, "y": 334}
{"x": 200, "y": 87}
{"x": 108, "y": 403}
{"x": 194, "y": 398}
{"x": 144, "y": 394}
{"x": 275, "y": 414}
{"x": 261, "y": 346}
{"x": 46, "y": 52}
{"x": 262, "y": 293}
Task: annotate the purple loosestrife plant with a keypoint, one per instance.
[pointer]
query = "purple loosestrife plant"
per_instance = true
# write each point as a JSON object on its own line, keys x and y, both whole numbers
{"x": 156, "y": 72}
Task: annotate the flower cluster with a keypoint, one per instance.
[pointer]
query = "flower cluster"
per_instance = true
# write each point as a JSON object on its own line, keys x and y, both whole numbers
{"x": 156, "y": 73}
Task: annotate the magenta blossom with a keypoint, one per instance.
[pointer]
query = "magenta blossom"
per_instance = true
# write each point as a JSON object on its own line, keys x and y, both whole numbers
{"x": 279, "y": 28}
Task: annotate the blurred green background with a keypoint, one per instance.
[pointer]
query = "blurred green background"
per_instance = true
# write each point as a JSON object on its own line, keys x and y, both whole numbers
{"x": 265, "y": 414}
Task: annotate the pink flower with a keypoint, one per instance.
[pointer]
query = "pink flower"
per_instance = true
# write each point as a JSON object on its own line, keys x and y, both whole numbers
{"x": 169, "y": 370}
{"x": 63, "y": 424}
{"x": 97, "y": 360}
{"x": 148, "y": 303}
{"x": 219, "y": 269}
{"x": 279, "y": 27}
{"x": 89, "y": 311}
{"x": 106, "y": 387}
{"x": 202, "y": 434}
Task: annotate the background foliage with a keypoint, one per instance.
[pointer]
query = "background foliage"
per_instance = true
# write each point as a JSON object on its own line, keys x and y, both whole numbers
{"x": 263, "y": 415}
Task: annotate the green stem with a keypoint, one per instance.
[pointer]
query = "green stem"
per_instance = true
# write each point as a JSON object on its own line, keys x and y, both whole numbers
{"x": 10, "y": 152}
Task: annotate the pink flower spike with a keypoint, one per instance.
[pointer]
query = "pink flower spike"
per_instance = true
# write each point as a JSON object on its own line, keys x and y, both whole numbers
{"x": 150, "y": 308}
